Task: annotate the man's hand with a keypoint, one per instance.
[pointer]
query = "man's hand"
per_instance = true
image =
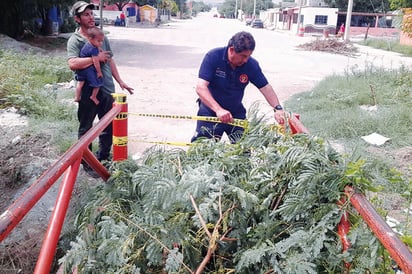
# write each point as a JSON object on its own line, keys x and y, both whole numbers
{"x": 224, "y": 116}
{"x": 103, "y": 56}
{"x": 280, "y": 116}
{"x": 124, "y": 86}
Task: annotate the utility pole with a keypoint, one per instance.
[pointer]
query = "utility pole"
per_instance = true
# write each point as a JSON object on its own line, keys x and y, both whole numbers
{"x": 236, "y": 10}
{"x": 101, "y": 14}
{"x": 299, "y": 23}
{"x": 241, "y": 8}
{"x": 348, "y": 20}
{"x": 254, "y": 9}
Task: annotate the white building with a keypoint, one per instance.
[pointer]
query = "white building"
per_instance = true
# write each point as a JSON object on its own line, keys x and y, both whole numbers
{"x": 308, "y": 16}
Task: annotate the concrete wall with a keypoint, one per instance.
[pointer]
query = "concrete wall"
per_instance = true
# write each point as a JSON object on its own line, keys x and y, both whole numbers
{"x": 374, "y": 32}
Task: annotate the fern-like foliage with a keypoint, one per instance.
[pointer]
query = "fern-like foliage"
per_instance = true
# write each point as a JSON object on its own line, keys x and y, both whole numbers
{"x": 268, "y": 204}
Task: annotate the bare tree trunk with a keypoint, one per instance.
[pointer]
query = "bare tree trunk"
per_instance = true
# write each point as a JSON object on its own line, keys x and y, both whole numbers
{"x": 366, "y": 33}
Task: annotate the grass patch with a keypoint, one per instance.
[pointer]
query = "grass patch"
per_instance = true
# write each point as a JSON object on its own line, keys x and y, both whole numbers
{"x": 338, "y": 109}
{"x": 31, "y": 83}
{"x": 334, "y": 109}
{"x": 388, "y": 44}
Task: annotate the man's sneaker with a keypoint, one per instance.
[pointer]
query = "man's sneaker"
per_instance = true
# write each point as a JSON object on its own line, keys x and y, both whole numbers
{"x": 106, "y": 163}
{"x": 90, "y": 171}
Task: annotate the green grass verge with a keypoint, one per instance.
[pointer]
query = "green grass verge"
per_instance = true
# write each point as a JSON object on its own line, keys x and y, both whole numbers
{"x": 336, "y": 110}
{"x": 389, "y": 45}
{"x": 30, "y": 83}
{"x": 335, "y": 107}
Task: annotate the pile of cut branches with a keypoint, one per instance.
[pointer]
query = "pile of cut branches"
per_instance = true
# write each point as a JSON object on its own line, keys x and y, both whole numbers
{"x": 330, "y": 45}
{"x": 268, "y": 204}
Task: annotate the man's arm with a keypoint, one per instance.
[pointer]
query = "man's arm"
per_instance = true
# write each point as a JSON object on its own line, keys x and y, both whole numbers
{"x": 273, "y": 100}
{"x": 206, "y": 97}
{"x": 76, "y": 63}
{"x": 270, "y": 95}
{"x": 116, "y": 76}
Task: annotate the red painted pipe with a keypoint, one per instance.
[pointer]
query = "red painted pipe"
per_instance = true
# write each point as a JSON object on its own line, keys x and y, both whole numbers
{"x": 396, "y": 248}
{"x": 120, "y": 129}
{"x": 296, "y": 125}
{"x": 89, "y": 157}
{"x": 343, "y": 230}
{"x": 51, "y": 238}
{"x": 15, "y": 213}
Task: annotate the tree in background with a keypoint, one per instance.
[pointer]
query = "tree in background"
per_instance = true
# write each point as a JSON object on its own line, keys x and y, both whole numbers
{"x": 20, "y": 15}
{"x": 11, "y": 21}
{"x": 168, "y": 4}
{"x": 173, "y": 5}
{"x": 362, "y": 5}
{"x": 228, "y": 7}
{"x": 119, "y": 3}
{"x": 406, "y": 7}
{"x": 199, "y": 7}
{"x": 399, "y": 4}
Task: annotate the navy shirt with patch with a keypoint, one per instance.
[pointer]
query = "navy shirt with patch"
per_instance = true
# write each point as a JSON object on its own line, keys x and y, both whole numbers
{"x": 228, "y": 85}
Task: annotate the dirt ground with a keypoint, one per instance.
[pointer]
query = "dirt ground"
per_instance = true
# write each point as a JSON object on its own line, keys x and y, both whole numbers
{"x": 161, "y": 64}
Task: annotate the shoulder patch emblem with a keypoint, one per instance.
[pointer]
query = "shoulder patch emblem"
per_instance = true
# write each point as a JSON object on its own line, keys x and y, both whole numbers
{"x": 243, "y": 78}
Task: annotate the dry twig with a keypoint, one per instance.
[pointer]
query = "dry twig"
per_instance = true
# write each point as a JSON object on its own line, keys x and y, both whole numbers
{"x": 214, "y": 237}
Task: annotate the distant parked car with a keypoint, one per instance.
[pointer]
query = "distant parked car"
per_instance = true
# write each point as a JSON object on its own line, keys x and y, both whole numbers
{"x": 248, "y": 21}
{"x": 96, "y": 21}
{"x": 257, "y": 23}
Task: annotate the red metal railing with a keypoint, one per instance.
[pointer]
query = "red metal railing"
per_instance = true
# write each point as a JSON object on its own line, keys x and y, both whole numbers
{"x": 396, "y": 248}
{"x": 69, "y": 162}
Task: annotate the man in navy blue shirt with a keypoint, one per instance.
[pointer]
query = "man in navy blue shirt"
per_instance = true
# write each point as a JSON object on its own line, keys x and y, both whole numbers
{"x": 223, "y": 76}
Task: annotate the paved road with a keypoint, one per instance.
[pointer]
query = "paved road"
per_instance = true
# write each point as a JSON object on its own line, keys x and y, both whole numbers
{"x": 162, "y": 64}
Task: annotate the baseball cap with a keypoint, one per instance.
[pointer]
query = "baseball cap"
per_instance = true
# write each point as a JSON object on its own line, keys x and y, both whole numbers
{"x": 80, "y": 6}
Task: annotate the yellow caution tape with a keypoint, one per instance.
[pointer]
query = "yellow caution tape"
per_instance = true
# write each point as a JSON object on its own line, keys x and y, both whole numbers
{"x": 236, "y": 122}
{"x": 121, "y": 116}
{"x": 181, "y": 144}
{"x": 280, "y": 129}
{"x": 120, "y": 141}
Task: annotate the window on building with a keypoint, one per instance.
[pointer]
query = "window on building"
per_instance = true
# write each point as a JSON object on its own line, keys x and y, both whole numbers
{"x": 321, "y": 19}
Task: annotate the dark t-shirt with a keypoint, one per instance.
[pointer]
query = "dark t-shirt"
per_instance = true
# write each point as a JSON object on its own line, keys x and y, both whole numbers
{"x": 227, "y": 85}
